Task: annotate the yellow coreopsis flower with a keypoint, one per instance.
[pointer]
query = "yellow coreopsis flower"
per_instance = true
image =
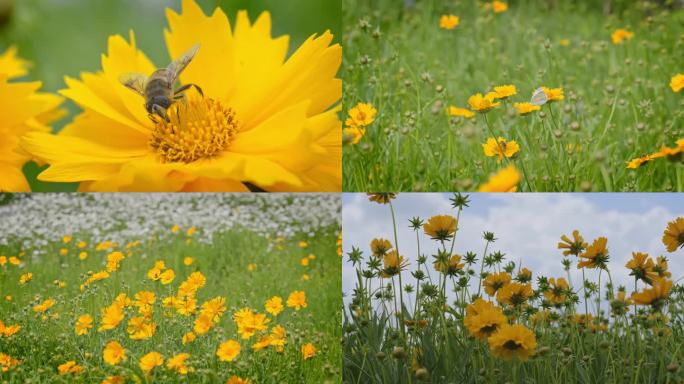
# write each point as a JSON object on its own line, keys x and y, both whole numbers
{"x": 237, "y": 380}
{"x": 24, "y": 110}
{"x": 553, "y": 94}
{"x": 448, "y": 21}
{"x": 500, "y": 147}
{"x": 513, "y": 341}
{"x": 677, "y": 82}
{"x": 297, "y": 300}
{"x": 308, "y": 351}
{"x": 177, "y": 363}
{"x": 361, "y": 115}
{"x": 481, "y": 103}
{"x": 150, "y": 361}
{"x": 274, "y": 123}
{"x": 460, "y": 112}
{"x": 499, "y": 6}
{"x": 228, "y": 350}
{"x": 25, "y": 278}
{"x": 620, "y": 35}
{"x": 352, "y": 135}
{"x": 70, "y": 367}
{"x": 673, "y": 237}
{"x": 83, "y": 324}
{"x": 505, "y": 91}
{"x": 526, "y": 108}
{"x": 114, "y": 353}
{"x": 506, "y": 180}
{"x": 274, "y": 305}
{"x": 440, "y": 227}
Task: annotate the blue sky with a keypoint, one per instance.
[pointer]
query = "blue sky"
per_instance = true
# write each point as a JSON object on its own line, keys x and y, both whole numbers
{"x": 528, "y": 227}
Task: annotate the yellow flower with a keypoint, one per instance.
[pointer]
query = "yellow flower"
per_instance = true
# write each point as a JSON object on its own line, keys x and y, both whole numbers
{"x": 214, "y": 308}
{"x": 114, "y": 380}
{"x": 620, "y": 35}
{"x": 557, "y": 292}
{"x": 113, "y": 260}
{"x": 203, "y": 323}
{"x": 564, "y": 42}
{"x": 505, "y": 91}
{"x": 276, "y": 126}
{"x": 499, "y": 6}
{"x": 500, "y": 147}
{"x": 308, "y": 351}
{"x": 248, "y": 322}
{"x": 440, "y": 227}
{"x": 572, "y": 247}
{"x": 114, "y": 353}
{"x": 81, "y": 244}
{"x": 654, "y": 296}
{"x": 513, "y": 341}
{"x": 251, "y": 267}
{"x": 481, "y": 103}
{"x": 304, "y": 262}
{"x": 44, "y": 306}
{"x": 264, "y": 342}
{"x": 677, "y": 82}
{"x": 191, "y": 231}
{"x": 141, "y": 328}
{"x": 526, "y": 108}
{"x": 596, "y": 255}
{"x": 70, "y": 367}
{"x": 83, "y": 255}
{"x": 7, "y": 362}
{"x": 506, "y": 180}
{"x": 25, "y": 278}
{"x": 495, "y": 281}
{"x": 167, "y": 276}
{"x": 66, "y": 239}
{"x": 111, "y": 317}
{"x": 237, "y": 380}
{"x": 448, "y": 21}
{"x": 177, "y": 363}
{"x": 673, "y": 237}
{"x": 553, "y": 94}
{"x": 150, "y": 361}
{"x": 83, "y": 324}
{"x": 514, "y": 294}
{"x": 352, "y": 135}
{"x": 483, "y": 318}
{"x": 188, "y": 338}
{"x": 274, "y": 305}
{"x": 661, "y": 267}
{"x": 228, "y": 350}
{"x": 24, "y": 111}
{"x": 381, "y": 197}
{"x": 278, "y": 338}
{"x": 449, "y": 267}
{"x": 393, "y": 264}
{"x": 460, "y": 112}
{"x": 642, "y": 267}
{"x": 361, "y": 115}
{"x": 188, "y": 260}
{"x": 297, "y": 300}
{"x": 379, "y": 247}
{"x": 197, "y": 280}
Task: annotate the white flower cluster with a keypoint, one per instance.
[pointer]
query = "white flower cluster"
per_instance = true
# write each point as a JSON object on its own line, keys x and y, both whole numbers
{"x": 37, "y": 219}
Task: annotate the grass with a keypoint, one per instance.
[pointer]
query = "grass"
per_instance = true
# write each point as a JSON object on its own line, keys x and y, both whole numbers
{"x": 45, "y": 342}
{"x": 447, "y": 329}
{"x": 618, "y": 104}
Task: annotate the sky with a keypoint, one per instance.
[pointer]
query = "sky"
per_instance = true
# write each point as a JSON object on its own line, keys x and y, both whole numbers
{"x": 527, "y": 226}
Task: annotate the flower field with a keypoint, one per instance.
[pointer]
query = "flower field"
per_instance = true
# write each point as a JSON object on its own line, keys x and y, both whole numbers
{"x": 142, "y": 288}
{"x": 447, "y": 315}
{"x": 520, "y": 95}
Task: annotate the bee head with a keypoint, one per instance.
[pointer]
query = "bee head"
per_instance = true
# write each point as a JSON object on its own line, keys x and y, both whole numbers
{"x": 160, "y": 101}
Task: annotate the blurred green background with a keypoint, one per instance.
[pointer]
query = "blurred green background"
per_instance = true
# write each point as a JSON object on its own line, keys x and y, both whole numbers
{"x": 67, "y": 37}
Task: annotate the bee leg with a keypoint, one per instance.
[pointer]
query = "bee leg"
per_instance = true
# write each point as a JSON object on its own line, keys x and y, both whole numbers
{"x": 161, "y": 112}
{"x": 185, "y": 87}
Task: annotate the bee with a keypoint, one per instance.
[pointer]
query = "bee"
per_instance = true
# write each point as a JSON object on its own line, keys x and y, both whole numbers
{"x": 158, "y": 89}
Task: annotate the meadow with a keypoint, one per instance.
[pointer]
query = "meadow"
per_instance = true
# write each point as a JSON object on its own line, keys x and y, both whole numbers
{"x": 612, "y": 74}
{"x": 480, "y": 316}
{"x": 146, "y": 296}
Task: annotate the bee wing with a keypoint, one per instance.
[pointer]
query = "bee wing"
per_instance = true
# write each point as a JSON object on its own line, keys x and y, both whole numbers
{"x": 134, "y": 81}
{"x": 174, "y": 69}
{"x": 539, "y": 97}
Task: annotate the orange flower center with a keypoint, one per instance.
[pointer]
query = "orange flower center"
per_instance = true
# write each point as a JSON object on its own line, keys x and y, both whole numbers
{"x": 198, "y": 129}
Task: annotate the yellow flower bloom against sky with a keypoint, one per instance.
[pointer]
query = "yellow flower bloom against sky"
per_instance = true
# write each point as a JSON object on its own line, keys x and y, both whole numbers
{"x": 283, "y": 133}
{"x": 23, "y": 110}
